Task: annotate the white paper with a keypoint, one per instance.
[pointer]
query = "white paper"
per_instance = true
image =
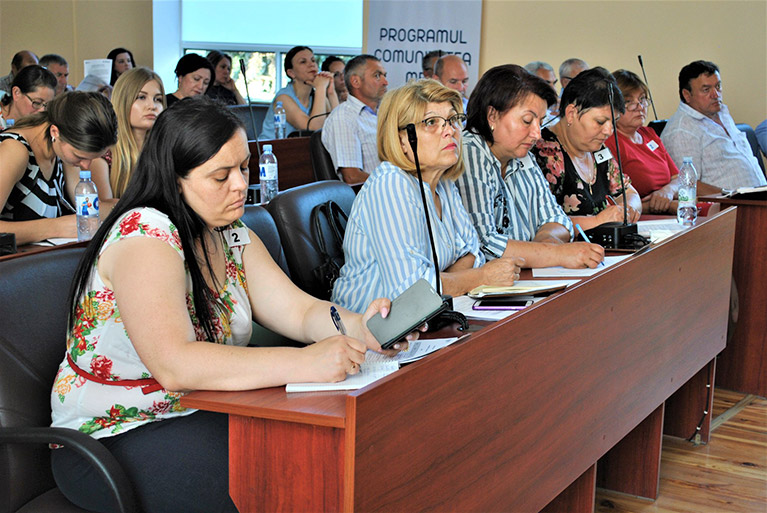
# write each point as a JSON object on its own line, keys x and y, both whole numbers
{"x": 100, "y": 68}
{"x": 55, "y": 241}
{"x": 555, "y": 272}
{"x": 659, "y": 229}
{"x": 376, "y": 366}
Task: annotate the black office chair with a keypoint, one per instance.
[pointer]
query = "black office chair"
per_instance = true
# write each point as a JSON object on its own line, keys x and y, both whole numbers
{"x": 658, "y": 125}
{"x": 257, "y": 218}
{"x": 33, "y": 316}
{"x": 292, "y": 211}
{"x": 752, "y": 140}
{"x": 321, "y": 161}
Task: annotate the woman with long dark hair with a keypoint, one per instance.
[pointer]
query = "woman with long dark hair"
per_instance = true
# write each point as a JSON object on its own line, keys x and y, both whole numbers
{"x": 163, "y": 303}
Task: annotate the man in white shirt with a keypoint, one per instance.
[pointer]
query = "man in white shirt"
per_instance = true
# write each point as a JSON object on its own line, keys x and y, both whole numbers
{"x": 349, "y": 134}
{"x": 453, "y": 73}
{"x": 703, "y": 129}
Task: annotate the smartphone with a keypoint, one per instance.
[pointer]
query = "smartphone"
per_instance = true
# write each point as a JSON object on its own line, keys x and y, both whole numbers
{"x": 416, "y": 305}
{"x": 502, "y": 304}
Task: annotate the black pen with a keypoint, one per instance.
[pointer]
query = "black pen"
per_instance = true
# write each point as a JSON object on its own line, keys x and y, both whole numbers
{"x": 337, "y": 320}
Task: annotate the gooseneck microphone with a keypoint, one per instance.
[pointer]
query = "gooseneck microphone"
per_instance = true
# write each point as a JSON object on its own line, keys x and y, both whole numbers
{"x": 314, "y": 117}
{"x": 413, "y": 139}
{"x": 610, "y": 95}
{"x": 648, "y": 87}
{"x": 250, "y": 105}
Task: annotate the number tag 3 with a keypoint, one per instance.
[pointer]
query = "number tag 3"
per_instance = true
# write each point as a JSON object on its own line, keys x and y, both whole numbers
{"x": 237, "y": 237}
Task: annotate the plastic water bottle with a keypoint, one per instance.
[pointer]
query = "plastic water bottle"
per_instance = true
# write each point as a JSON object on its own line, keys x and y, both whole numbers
{"x": 267, "y": 174}
{"x": 687, "y": 211}
{"x": 280, "y": 121}
{"x": 87, "y": 207}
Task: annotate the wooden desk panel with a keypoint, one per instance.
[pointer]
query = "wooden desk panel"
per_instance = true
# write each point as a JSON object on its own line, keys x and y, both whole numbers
{"x": 293, "y": 159}
{"x": 742, "y": 366}
{"x": 514, "y": 416}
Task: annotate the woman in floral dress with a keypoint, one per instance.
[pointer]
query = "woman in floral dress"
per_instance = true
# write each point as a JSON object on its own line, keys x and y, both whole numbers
{"x": 163, "y": 303}
{"x": 582, "y": 173}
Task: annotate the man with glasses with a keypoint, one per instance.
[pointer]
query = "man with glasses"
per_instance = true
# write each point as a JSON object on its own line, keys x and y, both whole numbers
{"x": 453, "y": 73}
{"x": 20, "y": 61}
{"x": 349, "y": 133}
{"x": 703, "y": 129}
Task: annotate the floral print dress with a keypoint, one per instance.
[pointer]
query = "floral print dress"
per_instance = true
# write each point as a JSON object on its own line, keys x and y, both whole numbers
{"x": 102, "y": 387}
{"x": 576, "y": 196}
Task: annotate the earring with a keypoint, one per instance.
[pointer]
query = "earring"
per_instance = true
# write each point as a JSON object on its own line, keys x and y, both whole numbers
{"x": 492, "y": 128}
{"x": 569, "y": 124}
{"x": 53, "y": 139}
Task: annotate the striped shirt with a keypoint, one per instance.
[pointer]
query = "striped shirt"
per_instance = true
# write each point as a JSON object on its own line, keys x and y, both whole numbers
{"x": 514, "y": 206}
{"x": 349, "y": 135}
{"x": 386, "y": 244}
{"x": 33, "y": 196}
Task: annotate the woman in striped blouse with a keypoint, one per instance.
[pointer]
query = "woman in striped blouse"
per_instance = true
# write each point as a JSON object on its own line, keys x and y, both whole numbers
{"x": 387, "y": 243}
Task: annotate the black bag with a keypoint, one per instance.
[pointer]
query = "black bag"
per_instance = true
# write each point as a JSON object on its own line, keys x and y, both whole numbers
{"x": 328, "y": 222}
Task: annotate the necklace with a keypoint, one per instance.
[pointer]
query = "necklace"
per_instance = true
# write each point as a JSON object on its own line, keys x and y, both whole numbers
{"x": 586, "y": 169}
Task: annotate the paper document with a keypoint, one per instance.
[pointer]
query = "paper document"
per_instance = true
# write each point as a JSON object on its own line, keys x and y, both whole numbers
{"x": 376, "y": 366}
{"x": 55, "y": 241}
{"x": 99, "y": 68}
{"x": 554, "y": 272}
{"x": 659, "y": 229}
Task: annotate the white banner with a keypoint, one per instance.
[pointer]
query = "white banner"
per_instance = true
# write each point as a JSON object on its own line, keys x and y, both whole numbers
{"x": 401, "y": 32}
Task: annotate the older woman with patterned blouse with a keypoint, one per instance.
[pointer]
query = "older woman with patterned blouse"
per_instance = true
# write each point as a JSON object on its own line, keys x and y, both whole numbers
{"x": 581, "y": 171}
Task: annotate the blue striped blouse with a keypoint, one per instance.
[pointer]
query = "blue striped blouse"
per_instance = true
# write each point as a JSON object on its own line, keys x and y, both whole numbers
{"x": 386, "y": 244}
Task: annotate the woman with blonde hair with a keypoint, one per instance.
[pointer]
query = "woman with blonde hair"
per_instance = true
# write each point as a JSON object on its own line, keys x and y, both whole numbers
{"x": 386, "y": 245}
{"x": 138, "y": 98}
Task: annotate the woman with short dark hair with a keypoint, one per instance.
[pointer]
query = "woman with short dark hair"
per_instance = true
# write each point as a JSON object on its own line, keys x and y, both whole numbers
{"x": 76, "y": 128}
{"x": 163, "y": 303}
{"x": 506, "y": 195}
{"x": 194, "y": 74}
{"x": 310, "y": 94}
{"x": 582, "y": 173}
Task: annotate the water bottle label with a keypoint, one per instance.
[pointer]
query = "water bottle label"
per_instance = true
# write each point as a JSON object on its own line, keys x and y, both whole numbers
{"x": 268, "y": 172}
{"x": 686, "y": 197}
{"x": 87, "y": 204}
{"x": 279, "y": 119}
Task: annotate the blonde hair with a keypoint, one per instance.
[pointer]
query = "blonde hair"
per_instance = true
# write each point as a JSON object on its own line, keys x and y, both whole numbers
{"x": 406, "y": 105}
{"x": 126, "y": 152}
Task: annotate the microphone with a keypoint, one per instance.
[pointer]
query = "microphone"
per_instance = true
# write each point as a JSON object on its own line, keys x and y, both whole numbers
{"x": 314, "y": 117}
{"x": 413, "y": 140}
{"x": 648, "y": 87}
{"x": 617, "y": 151}
{"x": 250, "y": 105}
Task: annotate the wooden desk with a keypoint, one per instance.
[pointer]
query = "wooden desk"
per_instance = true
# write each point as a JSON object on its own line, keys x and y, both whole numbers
{"x": 293, "y": 158}
{"x": 516, "y": 417}
{"x": 742, "y": 366}
{"x": 31, "y": 249}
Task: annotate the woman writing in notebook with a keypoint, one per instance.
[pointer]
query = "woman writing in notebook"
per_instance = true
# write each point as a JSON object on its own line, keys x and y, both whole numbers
{"x": 582, "y": 173}
{"x": 141, "y": 335}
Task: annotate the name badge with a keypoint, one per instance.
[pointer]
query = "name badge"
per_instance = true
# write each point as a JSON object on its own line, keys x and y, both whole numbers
{"x": 652, "y": 145}
{"x": 603, "y": 155}
{"x": 526, "y": 162}
{"x": 237, "y": 237}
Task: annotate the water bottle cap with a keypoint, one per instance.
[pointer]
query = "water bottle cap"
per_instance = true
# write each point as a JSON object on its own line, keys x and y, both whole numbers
{"x": 267, "y": 148}
{"x": 687, "y": 160}
{"x": 84, "y": 173}
{"x": 279, "y": 104}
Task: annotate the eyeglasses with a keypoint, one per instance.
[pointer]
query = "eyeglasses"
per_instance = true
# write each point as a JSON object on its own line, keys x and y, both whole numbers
{"x": 632, "y": 106}
{"x": 432, "y": 124}
{"x": 37, "y": 103}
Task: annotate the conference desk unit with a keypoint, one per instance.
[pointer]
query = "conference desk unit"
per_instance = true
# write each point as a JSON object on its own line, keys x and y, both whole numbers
{"x": 516, "y": 416}
{"x": 743, "y": 364}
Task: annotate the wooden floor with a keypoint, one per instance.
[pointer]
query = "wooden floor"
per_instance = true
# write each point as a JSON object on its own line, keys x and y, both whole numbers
{"x": 727, "y": 475}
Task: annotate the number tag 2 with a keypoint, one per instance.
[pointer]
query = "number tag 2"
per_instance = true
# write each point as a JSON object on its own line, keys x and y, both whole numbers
{"x": 237, "y": 237}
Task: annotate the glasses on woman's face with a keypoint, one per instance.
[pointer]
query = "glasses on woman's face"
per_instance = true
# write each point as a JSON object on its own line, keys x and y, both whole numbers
{"x": 642, "y": 102}
{"x": 36, "y": 102}
{"x": 432, "y": 123}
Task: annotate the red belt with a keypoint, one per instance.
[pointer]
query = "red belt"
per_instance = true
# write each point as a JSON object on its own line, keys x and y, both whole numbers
{"x": 148, "y": 385}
